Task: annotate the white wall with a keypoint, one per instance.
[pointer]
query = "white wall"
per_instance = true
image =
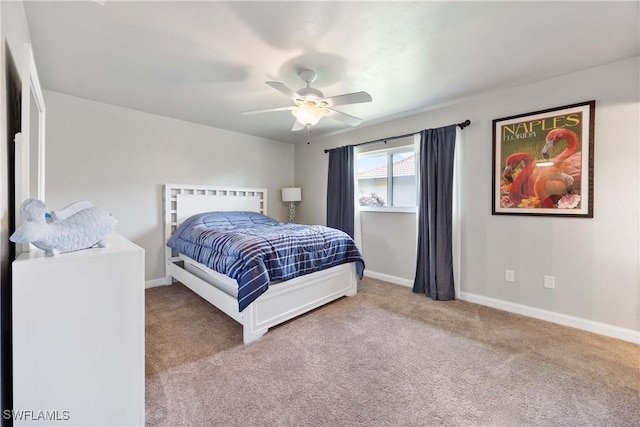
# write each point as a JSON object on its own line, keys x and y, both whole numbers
{"x": 595, "y": 261}
{"x": 15, "y": 30}
{"x": 119, "y": 159}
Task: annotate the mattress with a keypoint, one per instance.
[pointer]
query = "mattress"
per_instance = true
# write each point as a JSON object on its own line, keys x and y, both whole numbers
{"x": 255, "y": 250}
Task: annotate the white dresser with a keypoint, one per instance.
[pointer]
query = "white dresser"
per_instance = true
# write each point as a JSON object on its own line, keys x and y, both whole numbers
{"x": 78, "y": 336}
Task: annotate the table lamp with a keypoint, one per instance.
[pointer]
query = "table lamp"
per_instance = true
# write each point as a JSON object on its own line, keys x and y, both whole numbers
{"x": 292, "y": 195}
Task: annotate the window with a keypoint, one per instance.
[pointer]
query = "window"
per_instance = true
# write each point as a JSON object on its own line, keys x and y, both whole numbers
{"x": 387, "y": 179}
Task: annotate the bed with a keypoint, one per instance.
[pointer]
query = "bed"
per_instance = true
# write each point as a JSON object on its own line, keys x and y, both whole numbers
{"x": 282, "y": 301}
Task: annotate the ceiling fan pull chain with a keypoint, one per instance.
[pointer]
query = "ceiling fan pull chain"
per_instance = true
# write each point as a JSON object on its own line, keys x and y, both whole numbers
{"x": 309, "y": 140}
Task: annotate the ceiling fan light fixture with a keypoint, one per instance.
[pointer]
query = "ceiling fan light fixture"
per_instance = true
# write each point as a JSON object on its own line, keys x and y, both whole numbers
{"x": 309, "y": 114}
{"x": 310, "y": 104}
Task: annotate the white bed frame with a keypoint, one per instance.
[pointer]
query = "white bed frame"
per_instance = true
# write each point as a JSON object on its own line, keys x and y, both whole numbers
{"x": 280, "y": 302}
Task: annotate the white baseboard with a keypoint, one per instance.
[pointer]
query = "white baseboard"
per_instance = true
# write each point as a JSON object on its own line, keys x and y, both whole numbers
{"x": 155, "y": 282}
{"x": 550, "y": 316}
{"x": 388, "y": 278}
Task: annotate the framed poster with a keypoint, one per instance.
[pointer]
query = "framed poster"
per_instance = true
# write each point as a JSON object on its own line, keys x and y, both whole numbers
{"x": 543, "y": 162}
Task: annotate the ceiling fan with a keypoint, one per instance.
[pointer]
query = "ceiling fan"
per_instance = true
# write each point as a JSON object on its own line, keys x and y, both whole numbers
{"x": 311, "y": 105}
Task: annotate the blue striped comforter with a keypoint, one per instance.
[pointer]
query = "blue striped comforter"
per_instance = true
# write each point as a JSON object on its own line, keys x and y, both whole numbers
{"x": 256, "y": 250}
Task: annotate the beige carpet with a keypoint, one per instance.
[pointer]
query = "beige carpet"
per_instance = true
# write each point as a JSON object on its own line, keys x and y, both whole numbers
{"x": 386, "y": 357}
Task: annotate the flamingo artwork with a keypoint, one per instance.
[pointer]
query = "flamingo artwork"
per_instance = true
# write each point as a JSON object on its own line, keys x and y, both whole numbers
{"x": 569, "y": 161}
{"x": 542, "y": 182}
{"x": 520, "y": 187}
{"x": 551, "y": 182}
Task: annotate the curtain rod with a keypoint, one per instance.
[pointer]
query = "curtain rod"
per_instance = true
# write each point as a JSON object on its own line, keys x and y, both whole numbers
{"x": 385, "y": 140}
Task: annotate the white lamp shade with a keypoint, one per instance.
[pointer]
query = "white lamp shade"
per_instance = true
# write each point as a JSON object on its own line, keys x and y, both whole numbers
{"x": 293, "y": 194}
{"x": 309, "y": 114}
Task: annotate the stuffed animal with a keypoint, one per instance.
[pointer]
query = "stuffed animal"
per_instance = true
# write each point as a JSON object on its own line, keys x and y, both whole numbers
{"x": 77, "y": 226}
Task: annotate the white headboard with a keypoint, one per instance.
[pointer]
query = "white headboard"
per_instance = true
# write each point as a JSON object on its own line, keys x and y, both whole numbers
{"x": 182, "y": 201}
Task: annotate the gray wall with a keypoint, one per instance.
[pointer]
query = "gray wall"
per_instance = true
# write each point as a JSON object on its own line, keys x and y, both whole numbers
{"x": 595, "y": 261}
{"x": 119, "y": 159}
{"x": 389, "y": 243}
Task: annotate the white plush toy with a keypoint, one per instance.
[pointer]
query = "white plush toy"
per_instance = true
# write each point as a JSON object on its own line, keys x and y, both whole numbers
{"x": 77, "y": 226}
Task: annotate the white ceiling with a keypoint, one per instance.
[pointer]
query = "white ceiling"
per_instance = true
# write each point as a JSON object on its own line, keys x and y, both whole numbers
{"x": 206, "y": 62}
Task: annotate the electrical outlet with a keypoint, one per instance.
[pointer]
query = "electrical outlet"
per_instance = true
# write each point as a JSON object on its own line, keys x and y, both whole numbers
{"x": 509, "y": 276}
{"x": 549, "y": 282}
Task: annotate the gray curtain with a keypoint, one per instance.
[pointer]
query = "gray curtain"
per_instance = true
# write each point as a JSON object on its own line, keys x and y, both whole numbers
{"x": 434, "y": 270}
{"x": 340, "y": 190}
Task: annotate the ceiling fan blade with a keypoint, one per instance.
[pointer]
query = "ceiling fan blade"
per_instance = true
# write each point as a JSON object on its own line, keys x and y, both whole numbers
{"x": 348, "y": 98}
{"x": 268, "y": 110}
{"x": 281, "y": 87}
{"x": 343, "y": 117}
{"x": 297, "y": 126}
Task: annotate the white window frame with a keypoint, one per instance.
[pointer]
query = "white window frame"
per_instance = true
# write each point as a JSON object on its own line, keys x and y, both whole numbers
{"x": 389, "y": 152}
